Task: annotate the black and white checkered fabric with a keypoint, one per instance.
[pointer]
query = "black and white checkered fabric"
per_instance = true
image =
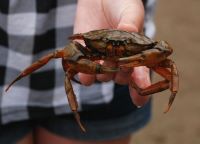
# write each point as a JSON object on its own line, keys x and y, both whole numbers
{"x": 29, "y": 29}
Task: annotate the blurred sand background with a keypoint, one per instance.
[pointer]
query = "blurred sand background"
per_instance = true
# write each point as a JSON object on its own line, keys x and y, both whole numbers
{"x": 178, "y": 22}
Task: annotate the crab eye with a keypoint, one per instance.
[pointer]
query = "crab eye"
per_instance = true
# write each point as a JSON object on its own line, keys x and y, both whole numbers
{"x": 105, "y": 39}
{"x": 127, "y": 41}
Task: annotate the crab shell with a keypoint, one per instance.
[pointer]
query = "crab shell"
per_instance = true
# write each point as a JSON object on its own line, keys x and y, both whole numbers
{"x": 115, "y": 43}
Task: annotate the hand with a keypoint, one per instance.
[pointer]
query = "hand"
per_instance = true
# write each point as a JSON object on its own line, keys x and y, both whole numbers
{"x": 121, "y": 14}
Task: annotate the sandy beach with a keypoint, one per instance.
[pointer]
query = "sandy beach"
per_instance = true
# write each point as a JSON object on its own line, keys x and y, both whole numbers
{"x": 177, "y": 22}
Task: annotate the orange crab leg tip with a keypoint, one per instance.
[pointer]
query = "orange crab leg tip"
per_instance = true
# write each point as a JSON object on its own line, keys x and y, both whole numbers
{"x": 7, "y": 88}
{"x": 77, "y": 117}
{"x": 167, "y": 109}
{"x": 18, "y": 78}
{"x": 83, "y": 130}
{"x": 171, "y": 100}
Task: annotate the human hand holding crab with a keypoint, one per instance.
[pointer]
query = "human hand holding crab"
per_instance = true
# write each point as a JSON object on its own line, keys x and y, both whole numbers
{"x": 125, "y": 15}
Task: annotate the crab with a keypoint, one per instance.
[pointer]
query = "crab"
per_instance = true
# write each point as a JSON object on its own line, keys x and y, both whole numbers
{"x": 125, "y": 48}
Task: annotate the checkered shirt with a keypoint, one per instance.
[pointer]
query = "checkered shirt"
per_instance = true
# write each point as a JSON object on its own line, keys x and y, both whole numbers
{"x": 29, "y": 29}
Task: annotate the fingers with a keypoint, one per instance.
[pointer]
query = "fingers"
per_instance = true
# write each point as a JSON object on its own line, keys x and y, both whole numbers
{"x": 129, "y": 16}
{"x": 124, "y": 14}
{"x": 89, "y": 16}
{"x": 142, "y": 79}
{"x": 87, "y": 79}
{"x": 106, "y": 77}
{"x": 140, "y": 75}
{"x": 123, "y": 76}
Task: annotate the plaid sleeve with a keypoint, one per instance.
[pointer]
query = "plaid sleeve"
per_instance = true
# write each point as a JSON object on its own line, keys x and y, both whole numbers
{"x": 29, "y": 29}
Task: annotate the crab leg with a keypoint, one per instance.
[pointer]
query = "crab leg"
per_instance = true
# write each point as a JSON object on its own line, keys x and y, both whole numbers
{"x": 154, "y": 88}
{"x": 132, "y": 61}
{"x": 164, "y": 72}
{"x": 146, "y": 58}
{"x": 72, "y": 100}
{"x": 173, "y": 78}
{"x": 86, "y": 66}
{"x": 36, "y": 65}
{"x": 171, "y": 81}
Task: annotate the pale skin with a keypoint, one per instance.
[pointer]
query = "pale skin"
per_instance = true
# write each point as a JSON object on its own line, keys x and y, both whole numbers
{"x": 98, "y": 14}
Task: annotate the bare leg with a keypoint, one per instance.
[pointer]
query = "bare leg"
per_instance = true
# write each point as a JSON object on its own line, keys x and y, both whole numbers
{"x": 45, "y": 137}
{"x": 28, "y": 139}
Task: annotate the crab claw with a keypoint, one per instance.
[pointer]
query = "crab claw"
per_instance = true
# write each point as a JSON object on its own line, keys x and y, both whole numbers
{"x": 171, "y": 99}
